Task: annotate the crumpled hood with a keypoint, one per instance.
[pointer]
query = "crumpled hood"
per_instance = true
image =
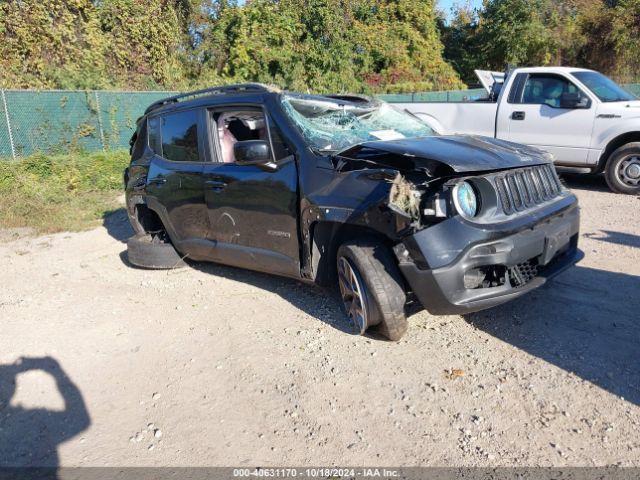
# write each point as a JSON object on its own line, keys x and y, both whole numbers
{"x": 461, "y": 153}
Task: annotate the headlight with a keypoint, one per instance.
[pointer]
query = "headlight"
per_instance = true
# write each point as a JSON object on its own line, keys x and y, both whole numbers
{"x": 465, "y": 199}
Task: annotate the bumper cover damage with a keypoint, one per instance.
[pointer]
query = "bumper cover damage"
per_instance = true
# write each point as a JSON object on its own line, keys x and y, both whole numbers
{"x": 493, "y": 259}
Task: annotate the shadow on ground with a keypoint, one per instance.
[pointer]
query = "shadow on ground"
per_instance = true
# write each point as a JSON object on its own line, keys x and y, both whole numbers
{"x": 323, "y": 304}
{"x": 319, "y": 303}
{"x": 117, "y": 224}
{"x": 29, "y": 437}
{"x": 585, "y": 181}
{"x": 618, "y": 238}
{"x": 586, "y": 322}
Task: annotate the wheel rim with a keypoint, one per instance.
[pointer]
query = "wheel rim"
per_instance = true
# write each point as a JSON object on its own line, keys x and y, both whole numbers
{"x": 629, "y": 171}
{"x": 352, "y": 291}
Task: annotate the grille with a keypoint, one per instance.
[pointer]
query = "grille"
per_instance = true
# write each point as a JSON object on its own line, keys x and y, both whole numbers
{"x": 523, "y": 273}
{"x": 523, "y": 188}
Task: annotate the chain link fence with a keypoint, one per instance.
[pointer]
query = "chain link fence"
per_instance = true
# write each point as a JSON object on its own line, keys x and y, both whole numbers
{"x": 57, "y": 121}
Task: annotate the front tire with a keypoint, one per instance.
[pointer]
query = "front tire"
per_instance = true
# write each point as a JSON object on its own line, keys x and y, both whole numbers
{"x": 371, "y": 288}
{"x": 622, "y": 171}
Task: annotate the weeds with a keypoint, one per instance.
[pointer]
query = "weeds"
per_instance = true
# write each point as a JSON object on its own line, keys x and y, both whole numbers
{"x": 61, "y": 192}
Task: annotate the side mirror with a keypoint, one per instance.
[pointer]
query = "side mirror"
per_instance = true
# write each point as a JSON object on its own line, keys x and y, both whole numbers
{"x": 574, "y": 100}
{"x": 252, "y": 152}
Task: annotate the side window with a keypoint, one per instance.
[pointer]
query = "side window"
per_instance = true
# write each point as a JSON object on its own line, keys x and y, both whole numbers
{"x": 153, "y": 133}
{"x": 515, "y": 93}
{"x": 235, "y": 126}
{"x": 179, "y": 133}
{"x": 547, "y": 90}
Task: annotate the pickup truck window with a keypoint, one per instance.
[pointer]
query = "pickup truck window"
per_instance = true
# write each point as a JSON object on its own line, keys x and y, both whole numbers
{"x": 333, "y": 125}
{"x": 515, "y": 94}
{"x": 542, "y": 89}
{"x": 603, "y": 87}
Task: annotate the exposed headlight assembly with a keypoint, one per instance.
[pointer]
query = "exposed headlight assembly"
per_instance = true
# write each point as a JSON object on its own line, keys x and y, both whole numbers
{"x": 466, "y": 200}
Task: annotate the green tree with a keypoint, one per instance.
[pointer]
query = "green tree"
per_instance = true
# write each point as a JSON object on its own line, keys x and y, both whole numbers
{"x": 518, "y": 32}
{"x": 51, "y": 44}
{"x": 461, "y": 42}
{"x": 326, "y": 45}
{"x": 145, "y": 42}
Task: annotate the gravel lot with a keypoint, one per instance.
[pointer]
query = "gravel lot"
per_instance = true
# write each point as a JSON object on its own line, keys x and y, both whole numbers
{"x": 217, "y": 366}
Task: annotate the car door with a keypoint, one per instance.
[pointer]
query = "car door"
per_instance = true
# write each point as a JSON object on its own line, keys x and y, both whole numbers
{"x": 253, "y": 209}
{"x": 535, "y": 114}
{"x": 174, "y": 181}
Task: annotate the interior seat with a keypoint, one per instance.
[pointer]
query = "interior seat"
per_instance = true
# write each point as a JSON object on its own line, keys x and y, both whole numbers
{"x": 227, "y": 139}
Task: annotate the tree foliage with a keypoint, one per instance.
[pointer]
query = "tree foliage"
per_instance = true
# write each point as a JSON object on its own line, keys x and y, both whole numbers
{"x": 320, "y": 45}
{"x": 586, "y": 33}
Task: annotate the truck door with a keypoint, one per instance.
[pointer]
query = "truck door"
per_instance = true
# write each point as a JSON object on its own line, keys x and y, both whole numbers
{"x": 253, "y": 210}
{"x": 541, "y": 110}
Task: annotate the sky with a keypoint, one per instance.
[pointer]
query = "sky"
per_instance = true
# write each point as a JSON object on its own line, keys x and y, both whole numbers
{"x": 447, "y": 4}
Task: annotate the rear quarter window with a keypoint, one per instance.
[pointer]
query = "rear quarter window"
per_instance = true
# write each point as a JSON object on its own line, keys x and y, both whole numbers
{"x": 153, "y": 133}
{"x": 179, "y": 133}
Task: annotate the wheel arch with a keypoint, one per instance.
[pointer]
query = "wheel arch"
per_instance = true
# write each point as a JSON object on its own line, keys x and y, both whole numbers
{"x": 145, "y": 219}
{"x": 326, "y": 238}
{"x": 614, "y": 144}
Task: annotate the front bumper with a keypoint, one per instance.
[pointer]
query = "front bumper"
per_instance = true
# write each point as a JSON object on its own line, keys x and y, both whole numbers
{"x": 550, "y": 242}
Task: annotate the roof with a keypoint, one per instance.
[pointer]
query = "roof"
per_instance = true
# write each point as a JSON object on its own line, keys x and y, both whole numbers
{"x": 239, "y": 88}
{"x": 552, "y": 69}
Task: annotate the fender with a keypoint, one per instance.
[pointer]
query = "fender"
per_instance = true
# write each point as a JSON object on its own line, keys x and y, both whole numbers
{"x": 604, "y": 137}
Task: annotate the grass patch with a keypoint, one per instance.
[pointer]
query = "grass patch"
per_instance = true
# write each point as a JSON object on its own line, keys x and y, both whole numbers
{"x": 62, "y": 192}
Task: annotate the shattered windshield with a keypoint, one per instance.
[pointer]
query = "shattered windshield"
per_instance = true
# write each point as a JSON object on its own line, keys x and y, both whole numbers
{"x": 333, "y": 125}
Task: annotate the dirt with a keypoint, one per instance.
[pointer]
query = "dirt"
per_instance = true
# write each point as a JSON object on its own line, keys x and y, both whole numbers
{"x": 212, "y": 365}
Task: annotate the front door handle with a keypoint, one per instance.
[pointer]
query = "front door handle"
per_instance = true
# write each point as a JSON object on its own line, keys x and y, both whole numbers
{"x": 518, "y": 115}
{"x": 215, "y": 185}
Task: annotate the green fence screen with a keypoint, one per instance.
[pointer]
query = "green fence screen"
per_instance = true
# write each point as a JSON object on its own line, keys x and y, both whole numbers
{"x": 55, "y": 121}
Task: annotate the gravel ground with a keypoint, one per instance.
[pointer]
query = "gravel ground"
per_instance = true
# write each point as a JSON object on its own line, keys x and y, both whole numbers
{"x": 218, "y": 366}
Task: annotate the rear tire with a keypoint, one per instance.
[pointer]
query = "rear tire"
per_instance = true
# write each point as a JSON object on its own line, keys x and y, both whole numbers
{"x": 145, "y": 251}
{"x": 622, "y": 171}
{"x": 374, "y": 274}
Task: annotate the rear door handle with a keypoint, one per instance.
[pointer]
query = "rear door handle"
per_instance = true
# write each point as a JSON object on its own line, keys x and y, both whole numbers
{"x": 215, "y": 185}
{"x": 518, "y": 116}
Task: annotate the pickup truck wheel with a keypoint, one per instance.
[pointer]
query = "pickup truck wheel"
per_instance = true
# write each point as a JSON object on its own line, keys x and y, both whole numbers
{"x": 151, "y": 252}
{"x": 371, "y": 288}
{"x": 623, "y": 169}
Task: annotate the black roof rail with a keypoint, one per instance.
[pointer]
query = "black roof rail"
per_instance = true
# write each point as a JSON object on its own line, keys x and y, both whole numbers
{"x": 235, "y": 88}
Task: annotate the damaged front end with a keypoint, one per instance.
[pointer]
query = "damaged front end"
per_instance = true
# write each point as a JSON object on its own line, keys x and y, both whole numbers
{"x": 461, "y": 254}
{"x": 473, "y": 221}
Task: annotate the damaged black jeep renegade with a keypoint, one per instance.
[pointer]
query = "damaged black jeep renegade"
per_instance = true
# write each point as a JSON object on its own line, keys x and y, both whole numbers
{"x": 346, "y": 190}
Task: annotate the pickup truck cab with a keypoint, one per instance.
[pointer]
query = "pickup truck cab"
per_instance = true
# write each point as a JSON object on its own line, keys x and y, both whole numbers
{"x": 581, "y": 117}
{"x": 346, "y": 191}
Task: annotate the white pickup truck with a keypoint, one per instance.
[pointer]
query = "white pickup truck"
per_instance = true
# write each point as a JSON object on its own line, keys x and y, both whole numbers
{"x": 581, "y": 117}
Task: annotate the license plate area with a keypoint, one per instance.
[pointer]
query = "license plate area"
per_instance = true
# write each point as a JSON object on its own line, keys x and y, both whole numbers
{"x": 554, "y": 243}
